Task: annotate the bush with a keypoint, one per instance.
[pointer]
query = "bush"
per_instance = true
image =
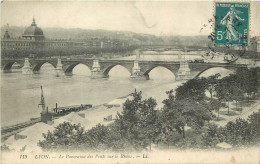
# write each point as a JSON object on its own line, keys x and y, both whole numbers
{"x": 97, "y": 138}
{"x": 211, "y": 137}
{"x": 238, "y": 133}
{"x": 63, "y": 137}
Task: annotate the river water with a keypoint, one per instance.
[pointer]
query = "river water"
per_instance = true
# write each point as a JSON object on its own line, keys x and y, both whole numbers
{"x": 20, "y": 94}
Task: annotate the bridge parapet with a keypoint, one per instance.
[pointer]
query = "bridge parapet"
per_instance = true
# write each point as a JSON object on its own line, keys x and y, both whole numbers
{"x": 101, "y": 68}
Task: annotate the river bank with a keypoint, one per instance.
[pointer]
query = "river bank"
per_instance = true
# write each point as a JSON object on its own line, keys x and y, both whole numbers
{"x": 98, "y": 90}
{"x": 105, "y": 114}
{"x": 89, "y": 118}
{"x": 21, "y": 97}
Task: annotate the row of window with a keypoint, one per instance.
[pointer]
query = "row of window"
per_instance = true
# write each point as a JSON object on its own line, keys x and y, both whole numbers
{"x": 16, "y": 44}
{"x": 29, "y": 44}
{"x": 16, "y": 48}
{"x": 28, "y": 38}
{"x": 55, "y": 44}
{"x": 12, "y": 44}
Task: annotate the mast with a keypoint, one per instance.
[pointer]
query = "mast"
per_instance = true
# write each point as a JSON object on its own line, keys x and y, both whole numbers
{"x": 42, "y": 103}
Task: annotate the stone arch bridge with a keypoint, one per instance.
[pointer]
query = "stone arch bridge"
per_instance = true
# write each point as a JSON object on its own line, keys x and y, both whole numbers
{"x": 101, "y": 68}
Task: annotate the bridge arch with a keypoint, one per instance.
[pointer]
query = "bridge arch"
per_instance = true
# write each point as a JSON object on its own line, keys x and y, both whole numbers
{"x": 8, "y": 66}
{"x": 38, "y": 66}
{"x": 107, "y": 69}
{"x": 206, "y": 69}
{"x": 70, "y": 67}
{"x": 146, "y": 73}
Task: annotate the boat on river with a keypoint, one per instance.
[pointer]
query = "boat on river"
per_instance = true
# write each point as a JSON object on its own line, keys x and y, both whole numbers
{"x": 46, "y": 116}
{"x": 61, "y": 111}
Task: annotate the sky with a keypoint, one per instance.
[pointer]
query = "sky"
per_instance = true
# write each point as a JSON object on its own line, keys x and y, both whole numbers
{"x": 150, "y": 17}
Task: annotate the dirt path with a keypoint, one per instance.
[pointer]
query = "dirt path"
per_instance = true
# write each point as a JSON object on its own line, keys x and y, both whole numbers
{"x": 247, "y": 111}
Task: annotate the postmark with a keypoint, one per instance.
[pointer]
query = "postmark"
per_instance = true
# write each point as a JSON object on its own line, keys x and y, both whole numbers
{"x": 231, "y": 24}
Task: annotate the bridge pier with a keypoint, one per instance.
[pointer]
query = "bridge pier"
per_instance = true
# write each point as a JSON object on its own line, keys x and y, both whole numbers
{"x": 136, "y": 72}
{"x": 68, "y": 73}
{"x": 96, "y": 71}
{"x": 184, "y": 71}
{"x": 59, "y": 70}
{"x": 100, "y": 68}
{"x": 147, "y": 77}
{"x": 26, "y": 69}
{"x": 36, "y": 72}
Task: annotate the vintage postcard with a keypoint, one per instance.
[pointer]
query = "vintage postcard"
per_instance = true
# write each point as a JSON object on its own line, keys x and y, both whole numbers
{"x": 130, "y": 82}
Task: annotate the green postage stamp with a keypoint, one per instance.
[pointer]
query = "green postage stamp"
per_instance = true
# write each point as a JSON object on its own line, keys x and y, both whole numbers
{"x": 232, "y": 23}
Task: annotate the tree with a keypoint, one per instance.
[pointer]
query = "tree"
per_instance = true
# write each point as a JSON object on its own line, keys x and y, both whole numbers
{"x": 135, "y": 129}
{"x": 254, "y": 126}
{"x": 148, "y": 120}
{"x": 179, "y": 113}
{"x": 215, "y": 105}
{"x": 211, "y": 83}
{"x": 237, "y": 93}
{"x": 138, "y": 121}
{"x": 192, "y": 89}
{"x": 235, "y": 89}
{"x": 67, "y": 136}
{"x": 223, "y": 91}
{"x": 237, "y": 133}
{"x": 167, "y": 117}
{"x": 249, "y": 80}
{"x": 211, "y": 137}
{"x": 97, "y": 138}
{"x": 63, "y": 137}
{"x": 234, "y": 86}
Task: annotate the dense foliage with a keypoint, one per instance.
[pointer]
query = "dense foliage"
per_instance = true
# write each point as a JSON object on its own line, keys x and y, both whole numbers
{"x": 236, "y": 86}
{"x": 178, "y": 113}
{"x": 193, "y": 89}
{"x": 183, "y": 122}
{"x": 135, "y": 129}
{"x": 238, "y": 133}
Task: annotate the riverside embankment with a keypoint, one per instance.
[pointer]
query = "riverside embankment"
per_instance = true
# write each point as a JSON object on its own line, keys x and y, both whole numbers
{"x": 29, "y": 137}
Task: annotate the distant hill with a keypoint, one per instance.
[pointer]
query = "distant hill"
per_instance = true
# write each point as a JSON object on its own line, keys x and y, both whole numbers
{"x": 86, "y": 34}
{"x": 14, "y": 31}
{"x": 73, "y": 33}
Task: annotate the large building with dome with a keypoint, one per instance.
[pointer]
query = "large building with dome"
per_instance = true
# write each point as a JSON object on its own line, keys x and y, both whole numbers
{"x": 33, "y": 38}
{"x": 33, "y": 32}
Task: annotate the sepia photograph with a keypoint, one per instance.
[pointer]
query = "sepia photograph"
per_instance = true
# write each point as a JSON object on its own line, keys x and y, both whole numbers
{"x": 130, "y": 81}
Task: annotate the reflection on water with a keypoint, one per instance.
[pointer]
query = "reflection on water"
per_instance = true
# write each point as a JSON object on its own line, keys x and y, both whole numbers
{"x": 20, "y": 94}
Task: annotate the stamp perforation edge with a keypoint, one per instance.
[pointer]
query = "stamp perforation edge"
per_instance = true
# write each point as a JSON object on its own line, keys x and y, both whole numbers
{"x": 235, "y": 1}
